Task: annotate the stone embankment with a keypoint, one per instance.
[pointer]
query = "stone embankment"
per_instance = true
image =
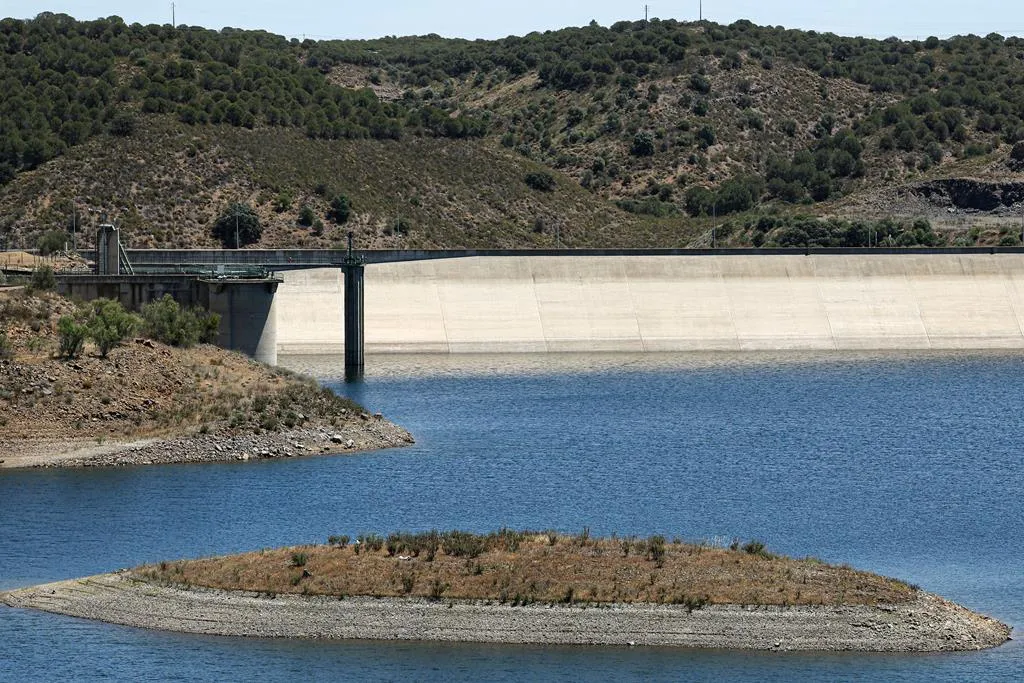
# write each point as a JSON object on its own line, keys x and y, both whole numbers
{"x": 926, "y": 624}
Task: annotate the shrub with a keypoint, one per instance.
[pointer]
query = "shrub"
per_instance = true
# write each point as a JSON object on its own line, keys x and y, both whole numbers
{"x": 1017, "y": 153}
{"x": 341, "y": 209}
{"x": 110, "y": 324}
{"x": 371, "y": 542}
{"x": 656, "y": 549}
{"x": 700, "y": 83}
{"x": 123, "y": 124}
{"x": 71, "y": 336}
{"x": 299, "y": 559}
{"x": 283, "y": 201}
{"x": 306, "y": 216}
{"x": 340, "y": 541}
{"x": 540, "y": 180}
{"x": 643, "y": 145}
{"x": 6, "y": 350}
{"x": 755, "y": 547}
{"x": 42, "y": 279}
{"x": 238, "y": 226}
{"x": 462, "y": 544}
{"x": 166, "y": 321}
{"x": 52, "y": 241}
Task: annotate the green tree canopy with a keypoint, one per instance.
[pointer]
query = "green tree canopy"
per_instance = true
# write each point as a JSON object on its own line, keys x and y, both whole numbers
{"x": 238, "y": 226}
{"x": 110, "y": 324}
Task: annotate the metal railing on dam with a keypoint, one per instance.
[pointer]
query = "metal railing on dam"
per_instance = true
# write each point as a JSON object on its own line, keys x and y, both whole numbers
{"x": 191, "y": 260}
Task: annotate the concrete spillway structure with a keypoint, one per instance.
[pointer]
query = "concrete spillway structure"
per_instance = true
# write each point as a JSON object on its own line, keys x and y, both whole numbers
{"x": 665, "y": 303}
{"x": 248, "y": 315}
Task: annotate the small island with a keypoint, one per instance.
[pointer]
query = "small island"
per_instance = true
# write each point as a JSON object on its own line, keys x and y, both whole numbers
{"x": 90, "y": 384}
{"x": 528, "y": 587}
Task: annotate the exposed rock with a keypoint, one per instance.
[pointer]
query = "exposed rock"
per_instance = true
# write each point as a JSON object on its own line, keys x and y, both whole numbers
{"x": 967, "y": 195}
{"x": 925, "y": 624}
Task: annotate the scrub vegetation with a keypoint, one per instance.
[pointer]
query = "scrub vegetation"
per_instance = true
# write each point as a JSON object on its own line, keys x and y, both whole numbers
{"x": 525, "y": 567}
{"x": 70, "y": 371}
{"x": 638, "y": 134}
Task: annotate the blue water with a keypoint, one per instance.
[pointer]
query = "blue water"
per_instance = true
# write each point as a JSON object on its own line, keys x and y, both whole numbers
{"x": 906, "y": 465}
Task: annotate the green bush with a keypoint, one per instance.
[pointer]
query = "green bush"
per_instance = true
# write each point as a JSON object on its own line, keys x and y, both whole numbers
{"x": 463, "y": 544}
{"x": 1017, "y": 153}
{"x": 341, "y": 209}
{"x": 540, "y": 180}
{"x": 42, "y": 279}
{"x": 238, "y": 226}
{"x": 110, "y": 324}
{"x": 643, "y": 145}
{"x": 122, "y": 124}
{"x": 306, "y": 216}
{"x": 71, "y": 336}
{"x": 299, "y": 559}
{"x": 755, "y": 548}
{"x": 52, "y": 241}
{"x": 283, "y": 201}
{"x": 166, "y": 321}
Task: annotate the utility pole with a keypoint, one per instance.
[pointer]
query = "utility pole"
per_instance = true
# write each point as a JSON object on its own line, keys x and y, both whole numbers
{"x": 645, "y": 14}
{"x": 173, "y": 18}
{"x": 700, "y": 10}
{"x": 236, "y": 231}
{"x": 714, "y": 226}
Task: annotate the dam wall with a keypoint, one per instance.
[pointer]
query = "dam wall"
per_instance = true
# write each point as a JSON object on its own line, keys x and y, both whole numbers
{"x": 665, "y": 303}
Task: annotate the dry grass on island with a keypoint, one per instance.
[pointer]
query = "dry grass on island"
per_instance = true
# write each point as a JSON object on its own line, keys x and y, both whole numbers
{"x": 147, "y": 402}
{"x": 523, "y": 568}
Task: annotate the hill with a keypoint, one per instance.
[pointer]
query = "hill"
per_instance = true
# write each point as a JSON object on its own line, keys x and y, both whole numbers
{"x": 147, "y": 402}
{"x": 638, "y": 134}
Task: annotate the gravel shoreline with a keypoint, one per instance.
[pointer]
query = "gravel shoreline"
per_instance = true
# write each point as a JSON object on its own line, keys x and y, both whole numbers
{"x": 926, "y": 624}
{"x": 371, "y": 433}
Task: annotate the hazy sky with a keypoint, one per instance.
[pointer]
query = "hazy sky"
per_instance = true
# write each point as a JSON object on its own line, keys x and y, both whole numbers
{"x": 324, "y": 19}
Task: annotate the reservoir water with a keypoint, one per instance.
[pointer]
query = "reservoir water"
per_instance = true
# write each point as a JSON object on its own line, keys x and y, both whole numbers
{"x": 910, "y": 465}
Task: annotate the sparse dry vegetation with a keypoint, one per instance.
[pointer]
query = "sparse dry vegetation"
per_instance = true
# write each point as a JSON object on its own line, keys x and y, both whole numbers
{"x": 142, "y": 388}
{"x": 526, "y": 567}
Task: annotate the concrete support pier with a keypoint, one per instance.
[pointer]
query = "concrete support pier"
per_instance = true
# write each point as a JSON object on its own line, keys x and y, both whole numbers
{"x": 353, "y": 270}
{"x": 354, "y": 331}
{"x": 248, "y": 316}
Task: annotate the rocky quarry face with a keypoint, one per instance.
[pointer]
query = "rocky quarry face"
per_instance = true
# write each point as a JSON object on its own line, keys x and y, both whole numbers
{"x": 971, "y": 196}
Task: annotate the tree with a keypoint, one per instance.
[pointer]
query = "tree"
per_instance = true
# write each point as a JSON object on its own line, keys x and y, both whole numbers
{"x": 706, "y": 136}
{"x": 110, "y": 324}
{"x": 123, "y": 124}
{"x": 540, "y": 180}
{"x": 306, "y": 216}
{"x": 166, "y": 321}
{"x": 71, "y": 336}
{"x": 699, "y": 200}
{"x": 341, "y": 209}
{"x": 643, "y": 145}
{"x": 238, "y": 226}
{"x": 52, "y": 241}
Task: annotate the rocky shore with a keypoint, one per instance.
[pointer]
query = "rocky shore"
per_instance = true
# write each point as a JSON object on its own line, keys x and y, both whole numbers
{"x": 926, "y": 624}
{"x": 374, "y": 433}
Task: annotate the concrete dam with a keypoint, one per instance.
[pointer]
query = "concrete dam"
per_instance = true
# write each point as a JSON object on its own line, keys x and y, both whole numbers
{"x": 664, "y": 303}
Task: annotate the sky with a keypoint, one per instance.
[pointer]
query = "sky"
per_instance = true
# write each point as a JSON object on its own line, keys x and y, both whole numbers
{"x": 322, "y": 19}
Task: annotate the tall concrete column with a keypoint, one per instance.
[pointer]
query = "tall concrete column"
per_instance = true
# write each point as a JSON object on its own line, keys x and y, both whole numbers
{"x": 354, "y": 337}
